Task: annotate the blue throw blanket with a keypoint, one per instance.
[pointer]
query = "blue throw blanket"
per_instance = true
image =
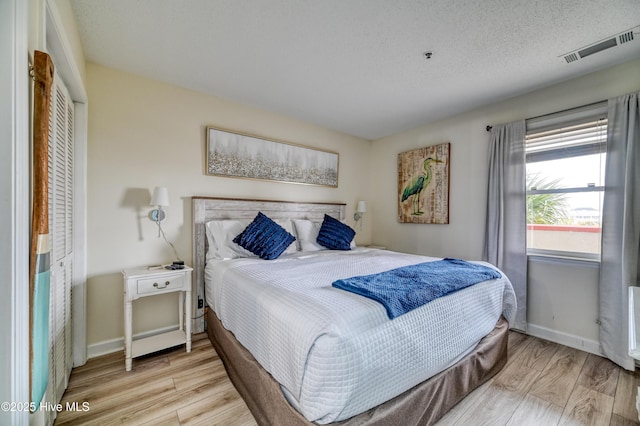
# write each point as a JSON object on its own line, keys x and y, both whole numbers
{"x": 403, "y": 289}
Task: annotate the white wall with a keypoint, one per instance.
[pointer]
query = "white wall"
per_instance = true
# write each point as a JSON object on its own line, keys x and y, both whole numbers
{"x": 463, "y": 237}
{"x": 142, "y": 134}
{"x": 563, "y": 302}
{"x": 68, "y": 22}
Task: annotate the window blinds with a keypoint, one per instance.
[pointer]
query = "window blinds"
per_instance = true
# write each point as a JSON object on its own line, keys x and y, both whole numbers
{"x": 571, "y": 133}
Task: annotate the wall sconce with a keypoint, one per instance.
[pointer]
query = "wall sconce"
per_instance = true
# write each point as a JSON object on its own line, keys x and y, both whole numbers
{"x": 360, "y": 211}
{"x": 159, "y": 198}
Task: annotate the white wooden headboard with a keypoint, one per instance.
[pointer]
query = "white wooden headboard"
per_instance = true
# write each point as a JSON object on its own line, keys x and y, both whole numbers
{"x": 207, "y": 208}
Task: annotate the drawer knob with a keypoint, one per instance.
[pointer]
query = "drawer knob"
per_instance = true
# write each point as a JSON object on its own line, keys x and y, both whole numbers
{"x": 166, "y": 284}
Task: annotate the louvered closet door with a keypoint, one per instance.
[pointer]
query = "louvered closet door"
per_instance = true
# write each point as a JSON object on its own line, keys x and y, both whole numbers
{"x": 61, "y": 229}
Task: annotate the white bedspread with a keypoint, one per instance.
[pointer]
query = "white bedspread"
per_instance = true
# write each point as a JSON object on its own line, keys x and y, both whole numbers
{"x": 337, "y": 354}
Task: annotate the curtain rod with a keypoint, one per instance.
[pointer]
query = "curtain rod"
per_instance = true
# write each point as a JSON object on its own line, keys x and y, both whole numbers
{"x": 489, "y": 127}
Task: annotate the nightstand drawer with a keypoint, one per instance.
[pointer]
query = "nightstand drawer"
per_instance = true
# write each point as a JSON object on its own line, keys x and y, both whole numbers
{"x": 160, "y": 284}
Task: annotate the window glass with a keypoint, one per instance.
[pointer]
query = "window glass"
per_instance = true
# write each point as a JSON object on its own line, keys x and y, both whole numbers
{"x": 572, "y": 172}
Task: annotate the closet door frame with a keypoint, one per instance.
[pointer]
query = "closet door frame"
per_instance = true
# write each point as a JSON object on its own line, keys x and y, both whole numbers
{"x": 58, "y": 46}
{"x": 14, "y": 207}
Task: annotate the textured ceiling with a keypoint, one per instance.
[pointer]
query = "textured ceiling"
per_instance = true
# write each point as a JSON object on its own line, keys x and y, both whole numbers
{"x": 356, "y": 66}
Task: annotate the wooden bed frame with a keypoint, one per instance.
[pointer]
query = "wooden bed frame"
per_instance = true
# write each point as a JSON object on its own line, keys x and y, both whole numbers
{"x": 424, "y": 404}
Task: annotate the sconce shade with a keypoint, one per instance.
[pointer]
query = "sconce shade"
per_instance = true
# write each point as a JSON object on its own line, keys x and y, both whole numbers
{"x": 362, "y": 207}
{"x": 160, "y": 196}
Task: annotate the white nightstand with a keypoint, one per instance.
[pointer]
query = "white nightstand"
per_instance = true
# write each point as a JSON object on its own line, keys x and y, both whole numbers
{"x": 144, "y": 282}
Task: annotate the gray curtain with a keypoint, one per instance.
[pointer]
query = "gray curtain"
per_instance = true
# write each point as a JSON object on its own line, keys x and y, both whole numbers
{"x": 505, "y": 241}
{"x": 620, "y": 227}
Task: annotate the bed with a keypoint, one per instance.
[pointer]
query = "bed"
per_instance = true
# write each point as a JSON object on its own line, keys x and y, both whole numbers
{"x": 302, "y": 352}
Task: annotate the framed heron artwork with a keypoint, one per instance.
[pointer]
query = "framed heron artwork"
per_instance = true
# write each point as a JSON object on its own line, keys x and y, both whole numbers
{"x": 423, "y": 185}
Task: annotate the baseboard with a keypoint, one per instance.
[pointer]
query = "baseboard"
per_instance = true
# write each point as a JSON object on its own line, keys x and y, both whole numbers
{"x": 115, "y": 345}
{"x": 570, "y": 340}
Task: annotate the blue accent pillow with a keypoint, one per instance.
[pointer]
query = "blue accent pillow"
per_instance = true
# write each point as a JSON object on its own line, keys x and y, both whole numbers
{"x": 264, "y": 238}
{"x": 334, "y": 234}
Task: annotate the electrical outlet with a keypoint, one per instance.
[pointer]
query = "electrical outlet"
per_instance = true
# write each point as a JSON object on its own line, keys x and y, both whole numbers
{"x": 200, "y": 303}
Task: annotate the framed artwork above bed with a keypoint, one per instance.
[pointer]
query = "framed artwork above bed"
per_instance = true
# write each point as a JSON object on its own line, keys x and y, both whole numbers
{"x": 233, "y": 154}
{"x": 423, "y": 185}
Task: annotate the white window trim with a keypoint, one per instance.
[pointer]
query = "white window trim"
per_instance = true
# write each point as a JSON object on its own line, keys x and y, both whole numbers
{"x": 565, "y": 117}
{"x": 563, "y": 256}
{"x": 566, "y": 190}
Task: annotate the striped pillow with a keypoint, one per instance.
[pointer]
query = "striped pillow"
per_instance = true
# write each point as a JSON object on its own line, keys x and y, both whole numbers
{"x": 335, "y": 235}
{"x": 264, "y": 238}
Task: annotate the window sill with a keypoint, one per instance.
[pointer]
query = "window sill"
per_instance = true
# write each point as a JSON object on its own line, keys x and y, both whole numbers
{"x": 559, "y": 259}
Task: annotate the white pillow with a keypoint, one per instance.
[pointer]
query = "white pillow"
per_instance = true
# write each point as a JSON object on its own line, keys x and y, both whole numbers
{"x": 288, "y": 226}
{"x": 220, "y": 235}
{"x": 307, "y": 234}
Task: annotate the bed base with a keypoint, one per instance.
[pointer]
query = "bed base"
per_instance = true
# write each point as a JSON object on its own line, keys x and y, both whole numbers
{"x": 423, "y": 404}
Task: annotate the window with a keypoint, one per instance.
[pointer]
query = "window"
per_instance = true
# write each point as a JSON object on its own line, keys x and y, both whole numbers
{"x": 565, "y": 155}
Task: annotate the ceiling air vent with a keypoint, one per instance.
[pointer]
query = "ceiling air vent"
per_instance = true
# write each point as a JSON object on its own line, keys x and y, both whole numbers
{"x": 571, "y": 57}
{"x": 613, "y": 41}
{"x": 626, "y": 37}
{"x": 599, "y": 47}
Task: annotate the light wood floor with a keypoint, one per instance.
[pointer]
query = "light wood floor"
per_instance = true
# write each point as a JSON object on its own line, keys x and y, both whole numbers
{"x": 542, "y": 384}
